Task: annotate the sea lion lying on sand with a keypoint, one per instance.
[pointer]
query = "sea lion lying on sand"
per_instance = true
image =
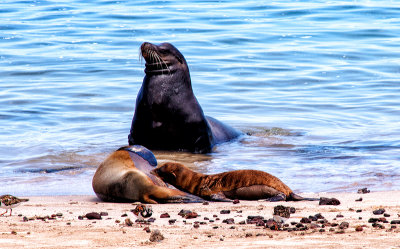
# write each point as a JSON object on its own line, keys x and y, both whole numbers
{"x": 125, "y": 176}
{"x": 238, "y": 184}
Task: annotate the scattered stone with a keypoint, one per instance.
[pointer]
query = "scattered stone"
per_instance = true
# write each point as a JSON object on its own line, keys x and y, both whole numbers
{"x": 243, "y": 222}
{"x": 282, "y": 211}
{"x": 236, "y": 201}
{"x": 305, "y": 220}
{"x": 386, "y": 215}
{"x": 379, "y": 211}
{"x": 359, "y": 228}
{"x": 172, "y": 221}
{"x": 321, "y": 230}
{"x": 205, "y": 203}
{"x": 156, "y": 236}
{"x": 128, "y": 222}
{"x": 191, "y": 215}
{"x": 373, "y": 220}
{"x": 344, "y": 225}
{"x": 196, "y": 225}
{"x": 358, "y": 211}
{"x": 124, "y": 215}
{"x": 152, "y": 219}
{"x": 184, "y": 212}
{"x": 360, "y": 199}
{"x": 165, "y": 215}
{"x": 101, "y": 214}
{"x": 329, "y": 201}
{"x": 225, "y": 211}
{"x": 339, "y": 216}
{"x": 117, "y": 221}
{"x": 395, "y": 222}
{"x": 292, "y": 210}
{"x": 80, "y": 217}
{"x": 25, "y": 219}
{"x": 13, "y": 232}
{"x": 147, "y": 229}
{"x": 363, "y": 191}
{"x": 229, "y": 221}
{"x": 249, "y": 235}
{"x": 93, "y": 216}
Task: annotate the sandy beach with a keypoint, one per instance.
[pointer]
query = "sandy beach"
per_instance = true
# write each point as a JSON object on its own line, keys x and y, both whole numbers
{"x": 60, "y": 222}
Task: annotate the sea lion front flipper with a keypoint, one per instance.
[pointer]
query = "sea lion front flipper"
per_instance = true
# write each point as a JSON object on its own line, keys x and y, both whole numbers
{"x": 219, "y": 197}
{"x": 278, "y": 197}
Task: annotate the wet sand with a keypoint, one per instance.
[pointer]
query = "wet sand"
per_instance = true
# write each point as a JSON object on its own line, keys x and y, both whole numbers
{"x": 32, "y": 225}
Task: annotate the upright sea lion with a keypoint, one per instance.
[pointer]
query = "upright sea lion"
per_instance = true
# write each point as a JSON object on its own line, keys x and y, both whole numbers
{"x": 125, "y": 176}
{"x": 167, "y": 114}
{"x": 238, "y": 184}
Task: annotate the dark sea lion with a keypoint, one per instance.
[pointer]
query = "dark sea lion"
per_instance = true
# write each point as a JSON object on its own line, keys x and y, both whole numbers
{"x": 238, "y": 184}
{"x": 167, "y": 114}
{"x": 125, "y": 176}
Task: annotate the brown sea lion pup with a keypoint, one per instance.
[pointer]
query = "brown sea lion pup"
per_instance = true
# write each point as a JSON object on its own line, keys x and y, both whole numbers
{"x": 125, "y": 176}
{"x": 238, "y": 184}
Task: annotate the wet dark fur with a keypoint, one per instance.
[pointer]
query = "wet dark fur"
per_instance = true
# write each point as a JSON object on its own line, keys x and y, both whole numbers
{"x": 167, "y": 114}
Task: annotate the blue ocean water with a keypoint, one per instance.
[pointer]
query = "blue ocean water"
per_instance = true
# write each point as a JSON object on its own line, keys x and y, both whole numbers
{"x": 316, "y": 83}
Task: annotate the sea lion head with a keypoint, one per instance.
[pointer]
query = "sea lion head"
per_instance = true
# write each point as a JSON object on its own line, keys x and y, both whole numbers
{"x": 169, "y": 172}
{"x": 162, "y": 59}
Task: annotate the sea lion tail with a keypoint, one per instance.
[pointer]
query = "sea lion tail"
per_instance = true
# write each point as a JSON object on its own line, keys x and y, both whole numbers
{"x": 295, "y": 197}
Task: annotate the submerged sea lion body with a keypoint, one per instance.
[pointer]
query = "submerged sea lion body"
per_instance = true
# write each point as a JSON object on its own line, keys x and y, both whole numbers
{"x": 125, "y": 176}
{"x": 238, "y": 184}
{"x": 167, "y": 114}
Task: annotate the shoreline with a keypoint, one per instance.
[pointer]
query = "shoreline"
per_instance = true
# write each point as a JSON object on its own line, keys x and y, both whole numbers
{"x": 56, "y": 222}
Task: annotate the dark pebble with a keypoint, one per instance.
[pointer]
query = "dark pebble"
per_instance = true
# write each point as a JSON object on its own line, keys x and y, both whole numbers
{"x": 360, "y": 199}
{"x": 225, "y": 211}
{"x": 147, "y": 229}
{"x": 242, "y": 222}
{"x": 334, "y": 224}
{"x": 379, "y": 211}
{"x": 236, "y": 201}
{"x": 395, "y": 222}
{"x": 80, "y": 217}
{"x": 184, "y": 212}
{"x": 358, "y": 211}
{"x": 339, "y": 216}
{"x": 25, "y": 219}
{"x": 165, "y": 215}
{"x": 229, "y": 221}
{"x": 156, "y": 236}
{"x": 101, "y": 214}
{"x": 373, "y": 220}
{"x": 260, "y": 223}
{"x": 319, "y": 216}
{"x": 321, "y": 230}
{"x": 196, "y": 225}
{"x": 93, "y": 216}
{"x": 292, "y": 210}
{"x": 386, "y": 215}
{"x": 363, "y": 191}
{"x": 344, "y": 225}
{"x": 124, "y": 215}
{"x": 206, "y": 218}
{"x": 151, "y": 219}
{"x": 305, "y": 220}
{"x": 205, "y": 203}
{"x": 128, "y": 222}
{"x": 191, "y": 215}
{"x": 293, "y": 223}
{"x": 359, "y": 228}
{"x": 329, "y": 201}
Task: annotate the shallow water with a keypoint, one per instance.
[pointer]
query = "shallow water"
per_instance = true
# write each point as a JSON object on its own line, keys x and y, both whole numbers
{"x": 316, "y": 83}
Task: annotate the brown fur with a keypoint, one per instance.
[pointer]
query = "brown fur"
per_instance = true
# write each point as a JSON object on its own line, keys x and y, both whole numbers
{"x": 238, "y": 184}
{"x": 119, "y": 178}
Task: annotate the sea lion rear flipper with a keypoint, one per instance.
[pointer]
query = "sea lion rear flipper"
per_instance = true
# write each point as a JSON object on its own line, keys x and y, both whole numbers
{"x": 295, "y": 197}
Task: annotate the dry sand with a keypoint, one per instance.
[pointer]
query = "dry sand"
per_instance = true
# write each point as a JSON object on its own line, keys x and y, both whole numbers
{"x": 68, "y": 231}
